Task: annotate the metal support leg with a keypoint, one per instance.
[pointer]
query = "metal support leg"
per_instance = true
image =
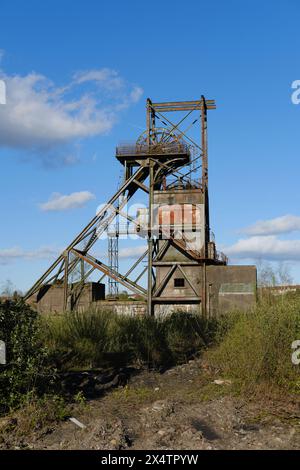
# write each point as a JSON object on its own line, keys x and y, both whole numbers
{"x": 204, "y": 291}
{"x": 150, "y": 241}
{"x": 66, "y": 280}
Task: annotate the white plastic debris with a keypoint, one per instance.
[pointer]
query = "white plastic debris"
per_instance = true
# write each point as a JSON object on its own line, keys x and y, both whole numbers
{"x": 78, "y": 423}
{"x": 2, "y": 352}
{"x": 222, "y": 382}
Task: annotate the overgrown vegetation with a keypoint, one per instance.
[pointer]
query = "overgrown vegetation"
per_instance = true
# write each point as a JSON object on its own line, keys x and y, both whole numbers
{"x": 255, "y": 347}
{"x": 97, "y": 339}
{"x": 26, "y": 369}
{"x": 249, "y": 348}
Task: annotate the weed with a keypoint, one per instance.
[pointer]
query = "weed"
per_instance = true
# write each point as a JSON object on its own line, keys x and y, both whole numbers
{"x": 257, "y": 345}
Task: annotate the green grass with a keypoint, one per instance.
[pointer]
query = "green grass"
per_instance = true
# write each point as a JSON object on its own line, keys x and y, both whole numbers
{"x": 35, "y": 414}
{"x": 135, "y": 395}
{"x": 255, "y": 347}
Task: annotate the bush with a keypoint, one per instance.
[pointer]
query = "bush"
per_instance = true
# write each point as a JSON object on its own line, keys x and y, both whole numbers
{"x": 151, "y": 342}
{"x": 76, "y": 338}
{"x": 187, "y": 334}
{"x": 99, "y": 338}
{"x": 26, "y": 356}
{"x": 256, "y": 346}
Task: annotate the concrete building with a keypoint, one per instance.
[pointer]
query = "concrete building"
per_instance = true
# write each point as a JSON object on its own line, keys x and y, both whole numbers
{"x": 50, "y": 298}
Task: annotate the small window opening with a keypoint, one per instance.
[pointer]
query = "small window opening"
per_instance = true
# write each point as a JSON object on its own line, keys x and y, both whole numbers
{"x": 179, "y": 282}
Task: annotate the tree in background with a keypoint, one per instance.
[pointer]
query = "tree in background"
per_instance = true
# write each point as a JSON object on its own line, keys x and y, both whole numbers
{"x": 269, "y": 275}
{"x": 9, "y": 290}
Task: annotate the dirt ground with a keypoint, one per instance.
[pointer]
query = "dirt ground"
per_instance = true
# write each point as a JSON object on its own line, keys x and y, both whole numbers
{"x": 186, "y": 407}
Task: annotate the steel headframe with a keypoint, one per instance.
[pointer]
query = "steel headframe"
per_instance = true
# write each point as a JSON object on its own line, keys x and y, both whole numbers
{"x": 146, "y": 174}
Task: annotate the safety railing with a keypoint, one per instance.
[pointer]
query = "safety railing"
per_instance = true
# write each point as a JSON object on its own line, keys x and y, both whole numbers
{"x": 168, "y": 148}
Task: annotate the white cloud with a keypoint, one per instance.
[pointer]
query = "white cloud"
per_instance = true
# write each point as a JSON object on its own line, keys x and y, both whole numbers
{"x": 267, "y": 247}
{"x": 40, "y": 115}
{"x": 132, "y": 252}
{"x": 106, "y": 77}
{"x": 11, "y": 254}
{"x": 284, "y": 224}
{"x": 63, "y": 202}
{"x": 136, "y": 94}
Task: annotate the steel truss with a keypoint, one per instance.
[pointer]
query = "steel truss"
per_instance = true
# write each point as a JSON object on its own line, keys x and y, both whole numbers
{"x": 162, "y": 158}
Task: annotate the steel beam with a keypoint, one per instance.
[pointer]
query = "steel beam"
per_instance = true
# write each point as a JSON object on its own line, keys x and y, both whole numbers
{"x": 115, "y": 275}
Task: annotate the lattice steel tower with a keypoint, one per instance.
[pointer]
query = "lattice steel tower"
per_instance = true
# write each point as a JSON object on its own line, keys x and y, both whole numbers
{"x": 168, "y": 164}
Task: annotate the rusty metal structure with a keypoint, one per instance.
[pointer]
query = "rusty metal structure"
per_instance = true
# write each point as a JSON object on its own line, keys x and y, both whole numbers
{"x": 168, "y": 164}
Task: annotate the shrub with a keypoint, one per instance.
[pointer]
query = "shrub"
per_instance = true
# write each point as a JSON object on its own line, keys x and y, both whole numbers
{"x": 151, "y": 345}
{"x": 187, "y": 334}
{"x": 26, "y": 356}
{"x": 76, "y": 338}
{"x": 257, "y": 345}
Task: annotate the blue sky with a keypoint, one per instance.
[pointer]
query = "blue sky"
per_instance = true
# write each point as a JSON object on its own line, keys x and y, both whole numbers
{"x": 77, "y": 77}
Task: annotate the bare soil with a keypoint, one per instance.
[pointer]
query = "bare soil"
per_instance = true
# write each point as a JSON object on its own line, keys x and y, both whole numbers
{"x": 182, "y": 408}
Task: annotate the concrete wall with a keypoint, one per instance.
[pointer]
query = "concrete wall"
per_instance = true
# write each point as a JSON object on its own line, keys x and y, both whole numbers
{"x": 168, "y": 309}
{"x": 128, "y": 308}
{"x": 51, "y": 297}
{"x": 134, "y": 308}
{"x": 193, "y": 273}
{"x": 229, "y": 288}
